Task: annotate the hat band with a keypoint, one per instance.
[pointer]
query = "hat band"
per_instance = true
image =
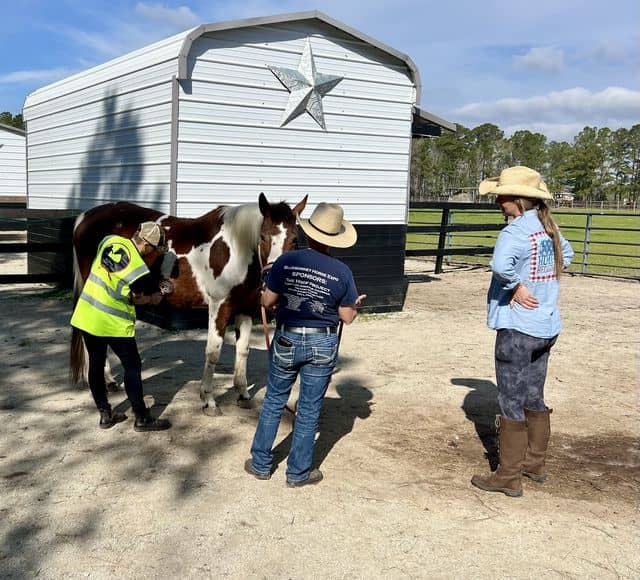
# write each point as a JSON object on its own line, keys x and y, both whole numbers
{"x": 315, "y": 227}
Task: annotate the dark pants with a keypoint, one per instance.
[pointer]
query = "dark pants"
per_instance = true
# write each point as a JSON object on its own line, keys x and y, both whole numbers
{"x": 126, "y": 350}
{"x": 521, "y": 371}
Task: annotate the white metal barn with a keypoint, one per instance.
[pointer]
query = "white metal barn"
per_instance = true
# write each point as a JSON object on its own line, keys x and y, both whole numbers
{"x": 13, "y": 173}
{"x": 289, "y": 105}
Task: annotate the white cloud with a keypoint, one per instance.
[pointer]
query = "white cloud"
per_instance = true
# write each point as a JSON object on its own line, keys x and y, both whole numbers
{"x": 179, "y": 18}
{"x": 558, "y": 113}
{"x": 575, "y": 104}
{"x": 542, "y": 58}
{"x": 38, "y": 75}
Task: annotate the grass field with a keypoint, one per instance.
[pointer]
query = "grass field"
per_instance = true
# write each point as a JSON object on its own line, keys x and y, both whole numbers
{"x": 611, "y": 250}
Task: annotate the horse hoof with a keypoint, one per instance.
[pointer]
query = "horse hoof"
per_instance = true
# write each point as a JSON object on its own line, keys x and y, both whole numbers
{"x": 211, "y": 411}
{"x": 245, "y": 402}
{"x": 113, "y": 387}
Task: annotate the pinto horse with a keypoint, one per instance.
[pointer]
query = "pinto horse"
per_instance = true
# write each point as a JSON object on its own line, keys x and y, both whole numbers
{"x": 216, "y": 260}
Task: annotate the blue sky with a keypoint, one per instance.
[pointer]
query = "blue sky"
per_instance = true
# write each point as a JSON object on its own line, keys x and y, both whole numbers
{"x": 552, "y": 66}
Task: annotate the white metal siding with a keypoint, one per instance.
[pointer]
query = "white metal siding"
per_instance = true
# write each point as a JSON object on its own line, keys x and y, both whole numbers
{"x": 231, "y": 146}
{"x": 104, "y": 134}
{"x": 12, "y": 164}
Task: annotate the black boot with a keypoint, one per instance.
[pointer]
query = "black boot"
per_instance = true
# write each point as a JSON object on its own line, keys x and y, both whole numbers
{"x": 108, "y": 418}
{"x": 145, "y": 422}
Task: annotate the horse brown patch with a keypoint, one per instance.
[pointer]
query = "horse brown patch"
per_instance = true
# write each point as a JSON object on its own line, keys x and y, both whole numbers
{"x": 218, "y": 256}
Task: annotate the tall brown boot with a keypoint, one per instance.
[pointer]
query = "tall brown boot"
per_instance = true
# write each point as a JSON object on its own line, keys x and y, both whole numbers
{"x": 512, "y": 440}
{"x": 538, "y": 432}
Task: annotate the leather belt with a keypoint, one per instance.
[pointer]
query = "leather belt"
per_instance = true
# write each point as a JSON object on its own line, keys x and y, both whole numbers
{"x": 308, "y": 329}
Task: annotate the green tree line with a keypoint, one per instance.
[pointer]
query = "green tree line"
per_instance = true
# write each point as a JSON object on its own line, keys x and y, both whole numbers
{"x": 7, "y": 118}
{"x": 600, "y": 165}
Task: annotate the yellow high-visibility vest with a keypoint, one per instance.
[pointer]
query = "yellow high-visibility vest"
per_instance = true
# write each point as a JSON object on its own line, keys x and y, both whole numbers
{"x": 104, "y": 307}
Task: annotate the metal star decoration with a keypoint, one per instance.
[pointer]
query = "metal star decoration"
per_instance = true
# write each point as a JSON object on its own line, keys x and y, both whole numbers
{"x": 307, "y": 87}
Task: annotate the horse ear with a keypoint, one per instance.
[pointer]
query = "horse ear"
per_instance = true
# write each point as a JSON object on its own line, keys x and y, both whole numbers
{"x": 299, "y": 208}
{"x": 264, "y": 205}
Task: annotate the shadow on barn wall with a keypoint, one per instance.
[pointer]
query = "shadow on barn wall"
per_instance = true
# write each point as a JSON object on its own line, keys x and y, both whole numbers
{"x": 113, "y": 167}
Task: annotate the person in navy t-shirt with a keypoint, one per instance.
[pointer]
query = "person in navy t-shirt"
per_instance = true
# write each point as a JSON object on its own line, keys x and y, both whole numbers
{"x": 311, "y": 292}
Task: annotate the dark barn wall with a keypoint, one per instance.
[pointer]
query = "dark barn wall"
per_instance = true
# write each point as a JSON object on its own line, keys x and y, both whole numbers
{"x": 55, "y": 226}
{"x": 377, "y": 262}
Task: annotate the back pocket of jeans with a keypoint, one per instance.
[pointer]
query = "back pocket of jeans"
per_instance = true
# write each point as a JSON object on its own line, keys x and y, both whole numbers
{"x": 283, "y": 355}
{"x": 325, "y": 355}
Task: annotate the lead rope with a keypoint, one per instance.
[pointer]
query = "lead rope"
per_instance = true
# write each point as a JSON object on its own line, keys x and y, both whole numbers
{"x": 265, "y": 325}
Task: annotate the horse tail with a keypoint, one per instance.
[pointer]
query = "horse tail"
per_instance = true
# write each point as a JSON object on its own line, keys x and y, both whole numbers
{"x": 76, "y": 351}
{"x": 76, "y": 357}
{"x": 78, "y": 282}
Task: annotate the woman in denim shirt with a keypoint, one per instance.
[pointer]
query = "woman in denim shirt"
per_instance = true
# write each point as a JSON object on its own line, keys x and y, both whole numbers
{"x": 522, "y": 306}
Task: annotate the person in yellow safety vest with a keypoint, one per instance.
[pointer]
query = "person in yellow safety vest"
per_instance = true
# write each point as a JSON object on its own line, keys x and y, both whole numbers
{"x": 105, "y": 314}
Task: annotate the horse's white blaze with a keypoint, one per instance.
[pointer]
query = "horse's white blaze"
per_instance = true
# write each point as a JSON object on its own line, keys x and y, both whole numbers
{"x": 277, "y": 245}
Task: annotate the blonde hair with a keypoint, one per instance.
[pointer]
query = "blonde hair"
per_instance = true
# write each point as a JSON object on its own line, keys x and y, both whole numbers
{"x": 550, "y": 226}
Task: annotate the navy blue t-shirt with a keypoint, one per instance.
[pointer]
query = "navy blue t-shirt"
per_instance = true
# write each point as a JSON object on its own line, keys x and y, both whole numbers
{"x": 312, "y": 286}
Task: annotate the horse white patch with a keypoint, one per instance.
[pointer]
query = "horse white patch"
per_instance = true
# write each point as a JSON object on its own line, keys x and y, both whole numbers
{"x": 277, "y": 245}
{"x": 233, "y": 273}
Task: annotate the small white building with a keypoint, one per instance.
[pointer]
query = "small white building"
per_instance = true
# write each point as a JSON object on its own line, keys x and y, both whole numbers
{"x": 13, "y": 173}
{"x": 286, "y": 105}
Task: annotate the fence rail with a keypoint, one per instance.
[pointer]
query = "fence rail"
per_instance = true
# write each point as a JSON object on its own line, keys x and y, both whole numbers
{"x": 604, "y": 242}
{"x": 436, "y": 229}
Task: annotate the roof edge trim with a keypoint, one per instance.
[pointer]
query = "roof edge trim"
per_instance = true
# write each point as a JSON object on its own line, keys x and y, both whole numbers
{"x": 431, "y": 118}
{"x": 13, "y": 129}
{"x": 291, "y": 17}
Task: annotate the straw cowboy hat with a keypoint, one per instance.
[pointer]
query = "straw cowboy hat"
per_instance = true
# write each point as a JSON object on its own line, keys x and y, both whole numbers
{"x": 518, "y": 181}
{"x": 328, "y": 226}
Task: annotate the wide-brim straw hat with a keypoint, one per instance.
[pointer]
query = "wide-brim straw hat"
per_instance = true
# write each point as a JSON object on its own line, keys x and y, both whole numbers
{"x": 518, "y": 181}
{"x": 328, "y": 226}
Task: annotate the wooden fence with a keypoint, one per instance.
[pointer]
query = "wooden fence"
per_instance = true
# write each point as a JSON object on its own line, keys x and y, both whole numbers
{"x": 607, "y": 247}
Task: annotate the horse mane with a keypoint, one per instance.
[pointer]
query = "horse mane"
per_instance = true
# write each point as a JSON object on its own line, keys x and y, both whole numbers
{"x": 244, "y": 223}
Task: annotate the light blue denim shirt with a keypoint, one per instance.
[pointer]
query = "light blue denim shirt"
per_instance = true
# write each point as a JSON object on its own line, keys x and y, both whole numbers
{"x": 524, "y": 255}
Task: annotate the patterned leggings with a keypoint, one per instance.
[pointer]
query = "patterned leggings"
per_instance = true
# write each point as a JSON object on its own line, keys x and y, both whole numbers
{"x": 521, "y": 370}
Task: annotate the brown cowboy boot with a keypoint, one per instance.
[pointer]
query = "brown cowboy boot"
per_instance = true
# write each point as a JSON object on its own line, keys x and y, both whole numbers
{"x": 507, "y": 479}
{"x": 538, "y": 432}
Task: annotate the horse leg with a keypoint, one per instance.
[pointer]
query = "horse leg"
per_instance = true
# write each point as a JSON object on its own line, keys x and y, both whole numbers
{"x": 109, "y": 380}
{"x": 243, "y": 335}
{"x": 215, "y": 338}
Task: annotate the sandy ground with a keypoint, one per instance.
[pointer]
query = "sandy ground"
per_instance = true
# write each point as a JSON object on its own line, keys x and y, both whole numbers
{"x": 405, "y": 425}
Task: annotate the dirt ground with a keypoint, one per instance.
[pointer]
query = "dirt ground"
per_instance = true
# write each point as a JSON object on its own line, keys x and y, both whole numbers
{"x": 406, "y": 423}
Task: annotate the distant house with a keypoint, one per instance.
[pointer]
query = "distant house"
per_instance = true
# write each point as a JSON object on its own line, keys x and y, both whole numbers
{"x": 563, "y": 198}
{"x": 13, "y": 175}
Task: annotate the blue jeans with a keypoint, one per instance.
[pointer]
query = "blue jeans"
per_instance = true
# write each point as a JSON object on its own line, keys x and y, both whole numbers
{"x": 313, "y": 356}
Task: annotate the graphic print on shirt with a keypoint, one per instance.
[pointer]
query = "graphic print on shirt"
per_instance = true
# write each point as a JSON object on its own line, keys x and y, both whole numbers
{"x": 543, "y": 267}
{"x": 115, "y": 257}
{"x": 307, "y": 285}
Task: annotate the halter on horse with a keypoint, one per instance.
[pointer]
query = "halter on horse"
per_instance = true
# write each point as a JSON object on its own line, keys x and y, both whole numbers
{"x": 215, "y": 260}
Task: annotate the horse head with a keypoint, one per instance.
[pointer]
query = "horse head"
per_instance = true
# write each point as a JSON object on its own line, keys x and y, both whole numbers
{"x": 279, "y": 229}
